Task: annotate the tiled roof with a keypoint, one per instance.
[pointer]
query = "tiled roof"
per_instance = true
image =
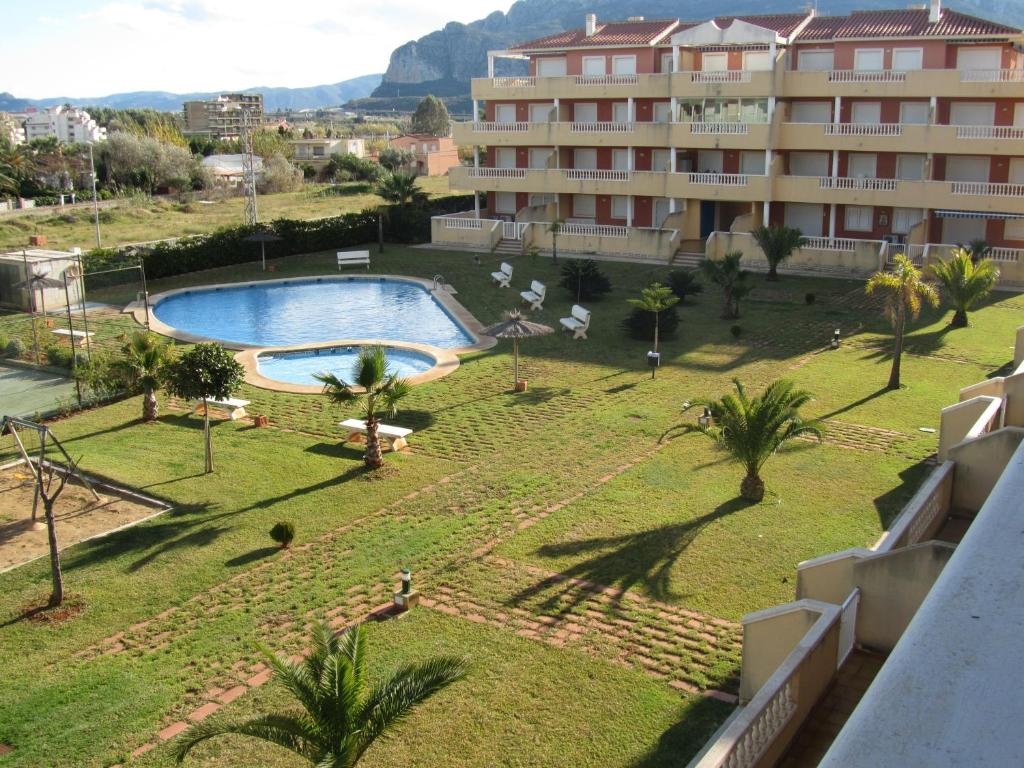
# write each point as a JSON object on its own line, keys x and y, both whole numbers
{"x": 782, "y": 23}
{"x": 623, "y": 33}
{"x": 911, "y": 22}
{"x": 821, "y": 28}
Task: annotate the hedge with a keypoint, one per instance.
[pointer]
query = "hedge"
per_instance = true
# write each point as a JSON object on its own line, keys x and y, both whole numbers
{"x": 228, "y": 246}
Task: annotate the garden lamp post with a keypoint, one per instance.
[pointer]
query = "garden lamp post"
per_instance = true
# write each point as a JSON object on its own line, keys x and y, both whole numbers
{"x": 835, "y": 339}
{"x": 95, "y": 203}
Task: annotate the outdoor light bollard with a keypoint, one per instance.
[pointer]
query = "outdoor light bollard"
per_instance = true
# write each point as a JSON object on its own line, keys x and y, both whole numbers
{"x": 406, "y": 597}
{"x": 653, "y": 359}
{"x": 835, "y": 339}
{"x": 705, "y": 419}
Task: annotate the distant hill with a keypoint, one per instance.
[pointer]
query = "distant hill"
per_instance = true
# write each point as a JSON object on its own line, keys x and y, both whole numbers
{"x": 444, "y": 61}
{"x": 273, "y": 98}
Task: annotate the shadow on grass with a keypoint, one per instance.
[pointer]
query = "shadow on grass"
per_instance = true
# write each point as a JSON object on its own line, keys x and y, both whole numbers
{"x": 891, "y": 503}
{"x": 854, "y": 404}
{"x": 623, "y": 562}
{"x": 251, "y": 557}
{"x": 684, "y": 739}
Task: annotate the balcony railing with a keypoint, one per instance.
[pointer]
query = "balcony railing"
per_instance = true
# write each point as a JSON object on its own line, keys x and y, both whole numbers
{"x": 461, "y": 223}
{"x": 830, "y": 243}
{"x": 849, "y": 182}
{"x": 593, "y": 174}
{"x": 497, "y": 173}
{"x": 863, "y": 129}
{"x": 592, "y": 230}
{"x": 721, "y": 76}
{"x": 602, "y": 127}
{"x": 720, "y": 179}
{"x": 986, "y": 188}
{"x": 989, "y": 132}
{"x": 514, "y": 82}
{"x": 1006, "y": 255}
{"x": 606, "y": 80}
{"x": 866, "y": 76}
{"x": 487, "y": 127}
{"x": 992, "y": 76}
{"x": 719, "y": 128}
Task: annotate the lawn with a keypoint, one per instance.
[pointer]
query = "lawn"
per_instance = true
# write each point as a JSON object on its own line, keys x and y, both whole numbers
{"x": 589, "y": 561}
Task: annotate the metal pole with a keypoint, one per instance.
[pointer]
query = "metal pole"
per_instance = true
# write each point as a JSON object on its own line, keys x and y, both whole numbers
{"x": 81, "y": 297}
{"x": 95, "y": 204}
{"x": 145, "y": 292}
{"x": 31, "y": 305}
{"x": 71, "y": 330}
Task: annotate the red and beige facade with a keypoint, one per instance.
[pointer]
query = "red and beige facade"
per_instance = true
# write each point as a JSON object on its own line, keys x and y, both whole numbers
{"x": 872, "y": 132}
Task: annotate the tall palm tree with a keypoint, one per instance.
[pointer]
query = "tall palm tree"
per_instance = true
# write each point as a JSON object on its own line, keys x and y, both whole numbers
{"x": 727, "y": 274}
{"x": 903, "y": 291}
{"x": 965, "y": 281}
{"x": 376, "y": 388}
{"x": 146, "y": 357}
{"x": 343, "y": 716}
{"x": 400, "y": 188}
{"x": 753, "y": 429}
{"x": 778, "y": 243}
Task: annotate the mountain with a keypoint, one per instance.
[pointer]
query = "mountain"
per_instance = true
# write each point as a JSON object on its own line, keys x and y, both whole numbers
{"x": 444, "y": 61}
{"x": 273, "y": 98}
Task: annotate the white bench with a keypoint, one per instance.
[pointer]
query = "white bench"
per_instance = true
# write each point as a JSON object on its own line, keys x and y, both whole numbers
{"x": 393, "y": 437}
{"x": 535, "y": 295}
{"x": 234, "y": 407}
{"x": 578, "y": 321}
{"x": 79, "y": 337}
{"x": 503, "y": 277}
{"x": 353, "y": 259}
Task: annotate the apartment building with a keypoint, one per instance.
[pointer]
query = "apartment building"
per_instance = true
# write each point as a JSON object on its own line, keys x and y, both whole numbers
{"x": 317, "y": 151}
{"x": 69, "y": 125}
{"x": 869, "y": 132}
{"x": 221, "y": 118}
{"x": 432, "y": 155}
{"x": 12, "y": 129}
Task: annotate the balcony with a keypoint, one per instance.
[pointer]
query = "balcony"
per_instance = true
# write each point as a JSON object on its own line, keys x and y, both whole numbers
{"x": 944, "y": 83}
{"x": 694, "y": 84}
{"x": 615, "y": 134}
{"x": 901, "y": 137}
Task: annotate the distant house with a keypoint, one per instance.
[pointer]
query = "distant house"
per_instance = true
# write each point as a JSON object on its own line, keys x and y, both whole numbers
{"x": 227, "y": 169}
{"x": 317, "y": 152}
{"x": 434, "y": 154}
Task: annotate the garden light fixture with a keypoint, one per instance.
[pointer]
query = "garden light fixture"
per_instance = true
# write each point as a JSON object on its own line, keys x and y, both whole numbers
{"x": 835, "y": 339}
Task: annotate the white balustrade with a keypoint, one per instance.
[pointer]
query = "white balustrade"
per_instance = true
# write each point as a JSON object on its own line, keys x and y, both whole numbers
{"x": 863, "y": 129}
{"x": 987, "y": 189}
{"x": 721, "y": 179}
{"x": 603, "y": 127}
{"x": 721, "y": 76}
{"x": 514, "y": 82}
{"x": 592, "y": 230}
{"x": 770, "y": 721}
{"x": 595, "y": 174}
{"x": 851, "y": 183}
{"x": 462, "y": 223}
{"x": 606, "y": 80}
{"x": 992, "y": 76}
{"x": 989, "y": 132}
{"x": 1010, "y": 255}
{"x": 487, "y": 127}
{"x": 719, "y": 128}
{"x": 847, "y": 627}
{"x": 498, "y": 173}
{"x": 866, "y": 76}
{"x": 830, "y": 243}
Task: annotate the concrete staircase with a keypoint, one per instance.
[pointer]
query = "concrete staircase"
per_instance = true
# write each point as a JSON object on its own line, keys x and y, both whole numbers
{"x": 508, "y": 248}
{"x": 685, "y": 260}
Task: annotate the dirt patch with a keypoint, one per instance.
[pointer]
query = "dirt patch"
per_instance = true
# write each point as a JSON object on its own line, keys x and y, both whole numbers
{"x": 41, "y": 612}
{"x": 79, "y": 516}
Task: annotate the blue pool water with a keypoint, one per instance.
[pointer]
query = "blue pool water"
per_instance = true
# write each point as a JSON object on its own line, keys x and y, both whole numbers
{"x": 306, "y": 311}
{"x": 299, "y": 367}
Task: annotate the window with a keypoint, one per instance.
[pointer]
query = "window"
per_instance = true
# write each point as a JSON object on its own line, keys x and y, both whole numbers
{"x": 666, "y": 62}
{"x": 620, "y": 159}
{"x": 714, "y": 62}
{"x": 620, "y": 112}
{"x": 815, "y": 61}
{"x": 967, "y": 168}
{"x": 811, "y": 112}
{"x": 542, "y": 113}
{"x": 662, "y": 112}
{"x": 593, "y": 65}
{"x": 585, "y": 158}
{"x": 1016, "y": 175}
{"x": 709, "y": 161}
{"x": 1014, "y": 229}
{"x": 862, "y": 165}
{"x": 972, "y": 113}
{"x": 906, "y": 59}
{"x": 661, "y": 160}
{"x": 505, "y": 113}
{"x": 505, "y": 202}
{"x": 866, "y": 112}
{"x": 318, "y": 151}
{"x": 868, "y": 59}
{"x": 859, "y": 218}
{"x": 914, "y": 112}
{"x": 752, "y": 162}
{"x": 808, "y": 163}
{"x": 623, "y": 65}
{"x": 584, "y": 113}
{"x": 972, "y": 58}
{"x": 807, "y": 217}
{"x": 910, "y": 167}
{"x": 505, "y": 157}
{"x": 620, "y": 207}
{"x": 758, "y": 61}
{"x": 540, "y": 156}
{"x": 904, "y": 219}
{"x": 583, "y": 206}
{"x": 551, "y": 67}
{"x": 541, "y": 199}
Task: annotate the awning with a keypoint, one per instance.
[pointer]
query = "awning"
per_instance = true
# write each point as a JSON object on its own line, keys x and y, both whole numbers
{"x": 977, "y": 215}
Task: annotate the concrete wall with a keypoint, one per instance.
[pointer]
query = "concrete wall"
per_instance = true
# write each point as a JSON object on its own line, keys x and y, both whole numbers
{"x": 863, "y": 261}
{"x": 979, "y": 464}
{"x": 653, "y": 244}
{"x": 966, "y": 420}
{"x": 769, "y": 636}
{"x": 1018, "y": 348}
{"x": 485, "y": 238}
{"x": 828, "y": 578}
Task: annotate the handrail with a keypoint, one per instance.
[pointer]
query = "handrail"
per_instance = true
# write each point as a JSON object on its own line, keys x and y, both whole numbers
{"x": 606, "y": 80}
{"x": 720, "y": 76}
{"x": 721, "y": 128}
{"x": 850, "y": 182}
{"x": 986, "y": 188}
{"x": 831, "y": 243}
{"x": 992, "y": 76}
{"x": 866, "y": 76}
{"x": 495, "y": 127}
{"x": 595, "y": 174}
{"x": 863, "y": 129}
{"x": 591, "y": 230}
{"x": 459, "y": 223}
{"x": 601, "y": 127}
{"x": 989, "y": 132}
{"x": 721, "y": 179}
{"x": 514, "y": 82}
{"x": 498, "y": 173}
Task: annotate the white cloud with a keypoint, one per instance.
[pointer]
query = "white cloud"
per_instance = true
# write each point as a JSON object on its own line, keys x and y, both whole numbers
{"x": 201, "y": 45}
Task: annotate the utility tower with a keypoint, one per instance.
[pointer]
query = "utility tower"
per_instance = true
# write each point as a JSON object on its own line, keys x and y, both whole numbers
{"x": 248, "y": 172}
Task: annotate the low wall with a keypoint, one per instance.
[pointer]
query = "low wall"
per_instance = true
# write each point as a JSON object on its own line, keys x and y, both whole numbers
{"x": 862, "y": 261}
{"x": 968, "y": 420}
{"x": 462, "y": 232}
{"x": 656, "y": 245}
{"x": 925, "y": 513}
{"x": 828, "y": 578}
{"x": 979, "y": 464}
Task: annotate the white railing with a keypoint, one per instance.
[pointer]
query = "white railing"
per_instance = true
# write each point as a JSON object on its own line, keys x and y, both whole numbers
{"x": 513, "y": 230}
{"x": 863, "y": 129}
{"x": 830, "y": 243}
{"x": 603, "y": 127}
{"x": 589, "y": 174}
{"x": 986, "y": 188}
{"x": 913, "y": 251}
{"x": 723, "y": 76}
{"x": 989, "y": 132}
{"x": 721, "y": 179}
{"x": 458, "y": 223}
{"x": 592, "y": 230}
{"x": 849, "y": 182}
{"x": 992, "y": 76}
{"x": 866, "y": 76}
{"x": 720, "y": 128}
{"x": 498, "y": 173}
{"x": 514, "y": 82}
{"x": 1010, "y": 255}
{"x": 488, "y": 127}
{"x": 847, "y": 627}
{"x": 605, "y": 79}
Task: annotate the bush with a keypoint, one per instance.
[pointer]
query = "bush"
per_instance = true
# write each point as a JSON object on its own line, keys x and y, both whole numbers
{"x": 101, "y": 375}
{"x": 736, "y": 331}
{"x": 584, "y": 280}
{"x": 684, "y": 282}
{"x": 58, "y": 357}
{"x": 639, "y": 324}
{"x": 4, "y": 341}
{"x": 15, "y": 348}
{"x": 809, "y": 298}
{"x": 279, "y": 175}
{"x": 347, "y": 167}
{"x": 283, "y": 533}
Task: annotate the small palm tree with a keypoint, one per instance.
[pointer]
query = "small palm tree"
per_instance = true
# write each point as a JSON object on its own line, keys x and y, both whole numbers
{"x": 379, "y": 391}
{"x": 655, "y": 298}
{"x": 401, "y": 188}
{"x": 903, "y": 291}
{"x": 554, "y": 228}
{"x": 342, "y": 716}
{"x": 146, "y": 357}
{"x": 727, "y": 274}
{"x": 778, "y": 243}
{"x": 965, "y": 281}
{"x": 754, "y": 429}
{"x": 978, "y": 249}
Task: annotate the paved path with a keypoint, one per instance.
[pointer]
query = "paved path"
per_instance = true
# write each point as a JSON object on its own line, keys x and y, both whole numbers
{"x": 25, "y": 392}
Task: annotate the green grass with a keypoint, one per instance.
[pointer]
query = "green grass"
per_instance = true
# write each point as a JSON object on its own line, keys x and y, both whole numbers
{"x": 663, "y": 524}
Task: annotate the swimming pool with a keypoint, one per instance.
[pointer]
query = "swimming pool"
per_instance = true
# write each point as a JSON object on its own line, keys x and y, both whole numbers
{"x": 299, "y": 367}
{"x": 303, "y": 311}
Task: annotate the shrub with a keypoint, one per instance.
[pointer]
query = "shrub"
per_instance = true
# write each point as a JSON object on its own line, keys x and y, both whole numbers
{"x": 736, "y": 331}
{"x": 4, "y": 341}
{"x": 684, "y": 282}
{"x": 283, "y": 533}
{"x": 15, "y": 348}
{"x": 58, "y": 357}
{"x": 639, "y": 323}
{"x": 584, "y": 280}
{"x": 809, "y": 298}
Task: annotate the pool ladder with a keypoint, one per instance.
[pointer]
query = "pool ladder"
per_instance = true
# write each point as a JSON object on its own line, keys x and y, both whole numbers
{"x": 439, "y": 282}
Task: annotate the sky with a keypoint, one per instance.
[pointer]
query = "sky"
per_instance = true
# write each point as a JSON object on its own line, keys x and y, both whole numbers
{"x": 97, "y": 47}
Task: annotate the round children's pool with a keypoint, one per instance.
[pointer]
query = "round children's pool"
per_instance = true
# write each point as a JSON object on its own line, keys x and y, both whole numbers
{"x": 300, "y": 367}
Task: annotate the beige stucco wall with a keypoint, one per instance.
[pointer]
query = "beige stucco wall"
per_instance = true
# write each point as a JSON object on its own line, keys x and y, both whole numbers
{"x": 828, "y": 578}
{"x": 769, "y": 636}
{"x": 485, "y": 238}
{"x": 979, "y": 464}
{"x": 863, "y": 261}
{"x": 965, "y": 419}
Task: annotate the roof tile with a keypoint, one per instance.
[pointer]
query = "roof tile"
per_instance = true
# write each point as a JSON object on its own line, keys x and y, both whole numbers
{"x": 624, "y": 33}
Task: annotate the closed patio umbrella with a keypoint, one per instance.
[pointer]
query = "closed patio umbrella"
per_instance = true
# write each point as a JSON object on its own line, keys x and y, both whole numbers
{"x": 516, "y": 327}
{"x": 263, "y": 238}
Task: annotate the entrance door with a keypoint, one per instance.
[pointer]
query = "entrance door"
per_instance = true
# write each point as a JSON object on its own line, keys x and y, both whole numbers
{"x": 972, "y": 113}
{"x": 505, "y": 113}
{"x": 807, "y": 217}
{"x": 710, "y": 161}
{"x": 585, "y": 158}
{"x": 505, "y": 157}
{"x": 584, "y": 113}
{"x": 707, "y": 218}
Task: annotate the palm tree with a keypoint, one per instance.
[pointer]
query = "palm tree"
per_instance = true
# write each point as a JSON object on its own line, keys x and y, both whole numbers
{"x": 778, "y": 243}
{"x": 343, "y": 716}
{"x": 16, "y": 163}
{"x": 978, "y": 249}
{"x": 376, "y": 388}
{"x": 554, "y": 228}
{"x": 400, "y": 188}
{"x": 727, "y": 274}
{"x": 966, "y": 282}
{"x": 753, "y": 429}
{"x": 655, "y": 298}
{"x": 903, "y": 291}
{"x": 146, "y": 357}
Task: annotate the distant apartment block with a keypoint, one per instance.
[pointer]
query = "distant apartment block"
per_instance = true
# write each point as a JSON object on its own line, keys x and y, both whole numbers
{"x": 221, "y": 118}
{"x": 317, "y": 152}
{"x": 871, "y": 132}
{"x": 434, "y": 155}
{"x": 69, "y": 125}
{"x": 12, "y": 129}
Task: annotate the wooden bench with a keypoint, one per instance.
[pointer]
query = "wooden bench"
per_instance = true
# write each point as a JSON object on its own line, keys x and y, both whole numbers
{"x": 77, "y": 337}
{"x": 578, "y": 321}
{"x": 535, "y": 296}
{"x": 353, "y": 259}
{"x": 503, "y": 277}
{"x": 234, "y": 407}
{"x": 392, "y": 437}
